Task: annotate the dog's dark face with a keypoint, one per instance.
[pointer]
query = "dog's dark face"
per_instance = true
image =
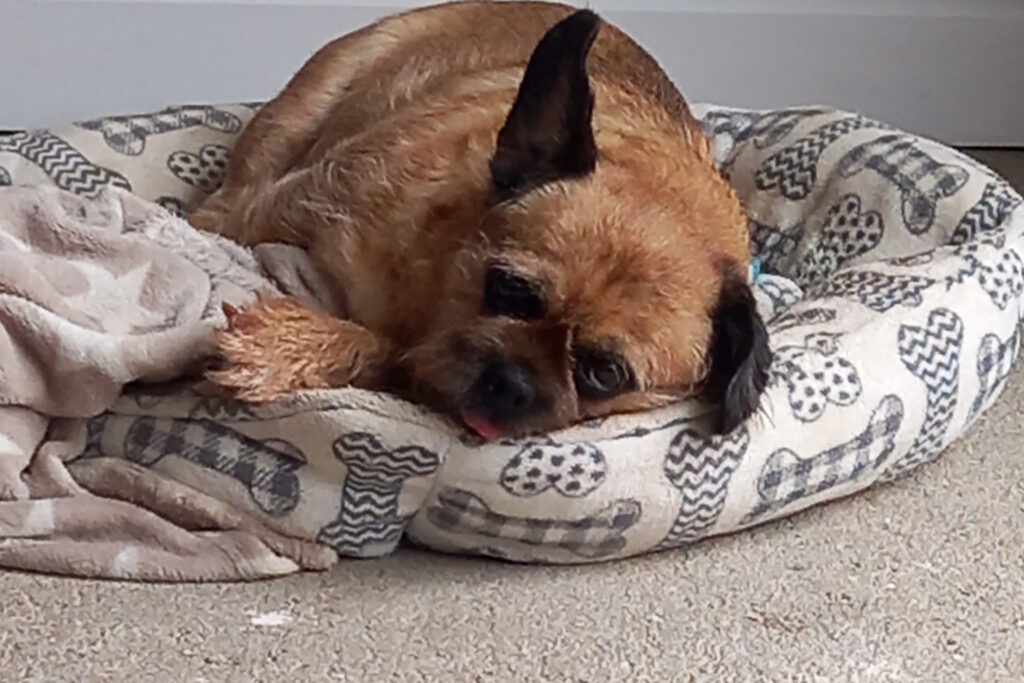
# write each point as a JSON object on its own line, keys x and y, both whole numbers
{"x": 608, "y": 281}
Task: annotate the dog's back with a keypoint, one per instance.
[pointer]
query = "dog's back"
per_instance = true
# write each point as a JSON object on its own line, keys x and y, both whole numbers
{"x": 472, "y": 45}
{"x": 361, "y": 80}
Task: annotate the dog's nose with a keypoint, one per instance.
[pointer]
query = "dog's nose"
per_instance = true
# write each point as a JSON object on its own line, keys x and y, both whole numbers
{"x": 506, "y": 389}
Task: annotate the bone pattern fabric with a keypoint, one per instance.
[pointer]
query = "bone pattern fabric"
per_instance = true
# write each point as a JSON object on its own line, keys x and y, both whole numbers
{"x": 891, "y": 282}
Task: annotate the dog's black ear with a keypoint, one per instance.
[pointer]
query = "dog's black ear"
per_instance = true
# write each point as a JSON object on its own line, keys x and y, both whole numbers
{"x": 740, "y": 355}
{"x": 548, "y": 133}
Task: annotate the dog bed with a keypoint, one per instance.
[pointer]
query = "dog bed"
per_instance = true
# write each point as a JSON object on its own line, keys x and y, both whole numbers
{"x": 889, "y": 274}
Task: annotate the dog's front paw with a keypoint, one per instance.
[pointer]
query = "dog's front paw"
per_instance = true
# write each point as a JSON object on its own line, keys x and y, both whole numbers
{"x": 275, "y": 347}
{"x": 246, "y": 359}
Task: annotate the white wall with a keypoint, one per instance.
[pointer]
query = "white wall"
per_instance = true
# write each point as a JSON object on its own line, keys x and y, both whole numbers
{"x": 952, "y": 69}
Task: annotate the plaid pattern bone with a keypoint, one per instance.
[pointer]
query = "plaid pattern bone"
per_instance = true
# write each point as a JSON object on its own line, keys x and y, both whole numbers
{"x": 787, "y": 477}
{"x": 995, "y": 360}
{"x": 594, "y": 536}
{"x": 764, "y": 128}
{"x": 267, "y": 469}
{"x": 127, "y": 134}
{"x": 922, "y": 180}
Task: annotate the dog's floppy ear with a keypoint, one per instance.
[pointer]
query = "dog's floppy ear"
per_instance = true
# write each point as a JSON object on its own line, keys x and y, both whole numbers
{"x": 740, "y": 355}
{"x": 548, "y": 133}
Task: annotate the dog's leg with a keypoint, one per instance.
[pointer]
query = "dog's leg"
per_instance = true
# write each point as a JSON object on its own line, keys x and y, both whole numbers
{"x": 276, "y": 347}
{"x": 268, "y": 211}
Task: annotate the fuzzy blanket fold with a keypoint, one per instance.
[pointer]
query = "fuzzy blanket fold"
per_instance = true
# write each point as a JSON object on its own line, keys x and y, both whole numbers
{"x": 96, "y": 296}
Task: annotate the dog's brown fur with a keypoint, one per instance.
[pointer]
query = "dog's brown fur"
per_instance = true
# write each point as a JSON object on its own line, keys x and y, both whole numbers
{"x": 393, "y": 157}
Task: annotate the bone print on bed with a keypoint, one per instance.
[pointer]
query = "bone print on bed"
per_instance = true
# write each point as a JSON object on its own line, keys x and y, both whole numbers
{"x": 573, "y": 470}
{"x": 127, "y": 134}
{"x": 204, "y": 170}
{"x": 779, "y": 292}
{"x": 921, "y": 179}
{"x": 594, "y": 536}
{"x": 932, "y": 354}
{"x": 794, "y": 170}
{"x": 701, "y": 469}
{"x": 729, "y": 129}
{"x": 987, "y": 261}
{"x": 64, "y": 164}
{"x": 788, "y": 320}
{"x": 775, "y": 246}
{"x": 849, "y": 231}
{"x": 369, "y": 521}
{"x": 815, "y": 376}
{"x": 787, "y": 477}
{"x": 989, "y": 214}
{"x": 995, "y": 360}
{"x": 267, "y": 469}
{"x": 880, "y": 292}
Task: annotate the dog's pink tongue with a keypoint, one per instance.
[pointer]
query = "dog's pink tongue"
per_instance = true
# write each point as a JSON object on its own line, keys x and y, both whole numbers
{"x": 482, "y": 426}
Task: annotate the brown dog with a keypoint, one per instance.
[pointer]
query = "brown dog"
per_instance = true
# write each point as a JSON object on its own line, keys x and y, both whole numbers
{"x": 523, "y": 216}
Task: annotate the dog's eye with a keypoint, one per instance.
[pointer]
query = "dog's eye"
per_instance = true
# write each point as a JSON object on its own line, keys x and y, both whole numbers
{"x": 510, "y": 294}
{"x": 601, "y": 375}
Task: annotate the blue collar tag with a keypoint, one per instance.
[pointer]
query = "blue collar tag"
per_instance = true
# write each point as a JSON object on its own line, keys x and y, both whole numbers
{"x": 755, "y": 269}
